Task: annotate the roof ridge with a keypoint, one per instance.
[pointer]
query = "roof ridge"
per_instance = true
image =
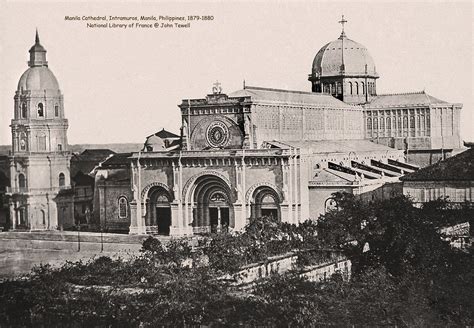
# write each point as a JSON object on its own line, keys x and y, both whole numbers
{"x": 403, "y": 93}
{"x": 285, "y": 90}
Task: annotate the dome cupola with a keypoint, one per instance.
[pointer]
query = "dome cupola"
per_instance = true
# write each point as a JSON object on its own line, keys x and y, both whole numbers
{"x": 38, "y": 76}
{"x": 345, "y": 69}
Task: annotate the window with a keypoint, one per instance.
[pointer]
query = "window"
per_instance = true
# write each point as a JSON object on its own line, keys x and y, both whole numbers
{"x": 389, "y": 124}
{"x": 369, "y": 124}
{"x": 21, "y": 181}
{"x": 56, "y": 110}
{"x": 21, "y": 216}
{"x": 376, "y": 124}
{"x": 43, "y": 217}
{"x": 123, "y": 207}
{"x": 62, "y": 180}
{"x": 363, "y": 88}
{"x": 350, "y": 86}
{"x": 40, "y": 110}
{"x": 382, "y": 123}
{"x": 339, "y": 88}
{"x": 23, "y": 142}
{"x": 357, "y": 88}
{"x": 60, "y": 147}
{"x": 24, "y": 112}
{"x": 405, "y": 122}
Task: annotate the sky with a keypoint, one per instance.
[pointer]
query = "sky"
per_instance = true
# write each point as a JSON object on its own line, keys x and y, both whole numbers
{"x": 121, "y": 85}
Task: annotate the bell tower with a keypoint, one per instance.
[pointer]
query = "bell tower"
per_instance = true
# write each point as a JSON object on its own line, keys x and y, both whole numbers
{"x": 40, "y": 160}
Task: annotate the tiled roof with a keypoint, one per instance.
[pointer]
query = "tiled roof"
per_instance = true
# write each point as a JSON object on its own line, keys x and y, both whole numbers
{"x": 166, "y": 134}
{"x": 334, "y": 146}
{"x": 118, "y": 160}
{"x": 96, "y": 152}
{"x": 403, "y": 99}
{"x": 258, "y": 94}
{"x": 86, "y": 161}
{"x": 459, "y": 167}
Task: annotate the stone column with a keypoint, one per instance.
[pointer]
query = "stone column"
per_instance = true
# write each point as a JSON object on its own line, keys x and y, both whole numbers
{"x": 137, "y": 224}
{"x": 13, "y": 218}
{"x": 295, "y": 189}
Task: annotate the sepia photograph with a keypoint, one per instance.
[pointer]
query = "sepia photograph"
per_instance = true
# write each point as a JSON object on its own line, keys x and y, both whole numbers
{"x": 236, "y": 164}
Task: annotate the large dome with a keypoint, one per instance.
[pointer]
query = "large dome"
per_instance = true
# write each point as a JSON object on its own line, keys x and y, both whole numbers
{"x": 328, "y": 60}
{"x": 38, "y": 78}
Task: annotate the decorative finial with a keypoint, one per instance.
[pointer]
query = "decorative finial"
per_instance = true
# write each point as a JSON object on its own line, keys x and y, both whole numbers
{"x": 37, "y": 39}
{"x": 342, "y": 22}
{"x": 216, "y": 89}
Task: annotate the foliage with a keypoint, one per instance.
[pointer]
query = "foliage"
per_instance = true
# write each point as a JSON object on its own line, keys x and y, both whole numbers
{"x": 175, "y": 252}
{"x": 404, "y": 240}
{"x": 408, "y": 277}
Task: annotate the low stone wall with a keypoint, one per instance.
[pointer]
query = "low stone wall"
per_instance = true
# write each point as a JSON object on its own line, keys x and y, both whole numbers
{"x": 324, "y": 271}
{"x": 328, "y": 264}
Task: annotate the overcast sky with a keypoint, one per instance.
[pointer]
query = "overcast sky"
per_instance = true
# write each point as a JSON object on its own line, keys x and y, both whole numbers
{"x": 122, "y": 85}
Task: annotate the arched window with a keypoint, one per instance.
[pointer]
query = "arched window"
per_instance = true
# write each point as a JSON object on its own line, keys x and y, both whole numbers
{"x": 40, "y": 110}
{"x": 382, "y": 123}
{"x": 363, "y": 88}
{"x": 43, "y": 217}
{"x": 350, "y": 87}
{"x": 56, "y": 110}
{"x": 123, "y": 207}
{"x": 369, "y": 124}
{"x": 412, "y": 122}
{"x": 339, "y": 88}
{"x": 357, "y": 88}
{"x": 23, "y": 143}
{"x": 376, "y": 121}
{"x": 21, "y": 181}
{"x": 24, "y": 111}
{"x": 405, "y": 122}
{"x": 62, "y": 180}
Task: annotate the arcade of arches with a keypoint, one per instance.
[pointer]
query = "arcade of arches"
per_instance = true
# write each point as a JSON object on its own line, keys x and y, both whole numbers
{"x": 210, "y": 204}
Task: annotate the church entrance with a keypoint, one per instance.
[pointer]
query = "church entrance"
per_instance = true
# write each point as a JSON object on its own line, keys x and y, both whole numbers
{"x": 212, "y": 205}
{"x": 163, "y": 220}
{"x": 218, "y": 213}
{"x": 266, "y": 203}
{"x": 158, "y": 216}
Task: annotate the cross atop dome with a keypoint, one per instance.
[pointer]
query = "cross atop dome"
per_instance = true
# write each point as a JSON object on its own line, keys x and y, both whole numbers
{"x": 342, "y": 22}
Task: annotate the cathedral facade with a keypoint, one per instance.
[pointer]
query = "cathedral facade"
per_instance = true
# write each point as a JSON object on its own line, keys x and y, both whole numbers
{"x": 249, "y": 153}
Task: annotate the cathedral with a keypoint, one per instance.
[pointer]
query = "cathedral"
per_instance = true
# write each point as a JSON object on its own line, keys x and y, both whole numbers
{"x": 249, "y": 153}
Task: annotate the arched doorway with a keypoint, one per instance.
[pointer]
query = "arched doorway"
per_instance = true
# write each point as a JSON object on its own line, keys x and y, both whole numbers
{"x": 212, "y": 205}
{"x": 265, "y": 202}
{"x": 158, "y": 218}
{"x": 218, "y": 212}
